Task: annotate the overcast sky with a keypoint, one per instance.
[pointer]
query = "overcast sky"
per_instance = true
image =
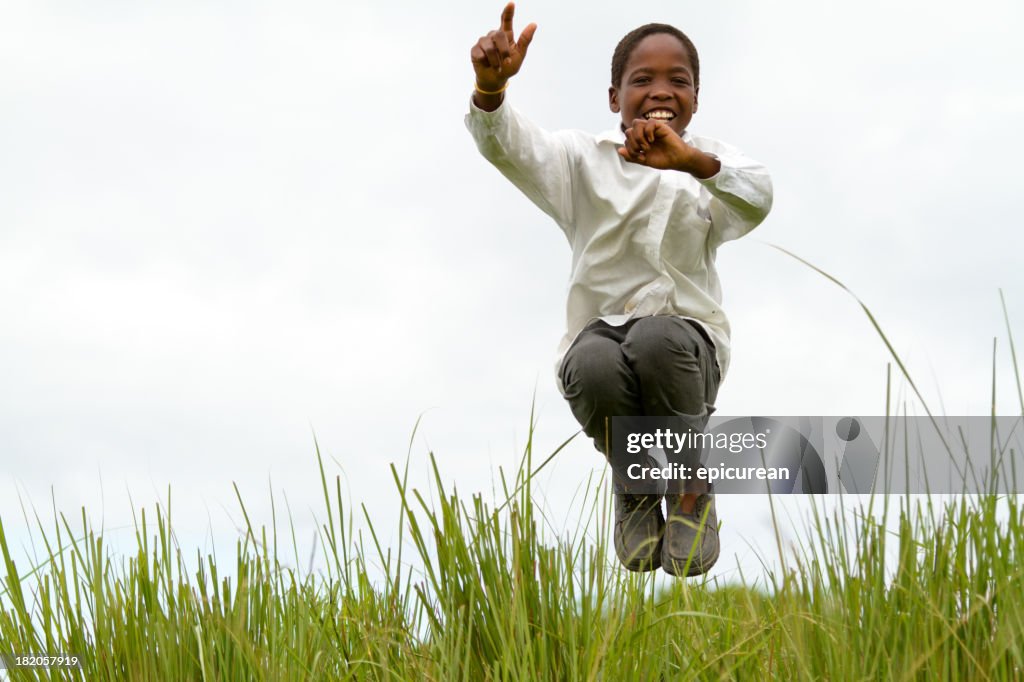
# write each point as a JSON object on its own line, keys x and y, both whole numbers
{"x": 226, "y": 227}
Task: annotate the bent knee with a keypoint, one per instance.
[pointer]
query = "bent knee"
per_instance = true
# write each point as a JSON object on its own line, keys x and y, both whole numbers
{"x": 593, "y": 364}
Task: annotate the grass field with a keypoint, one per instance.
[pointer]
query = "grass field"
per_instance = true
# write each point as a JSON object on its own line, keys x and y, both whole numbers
{"x": 498, "y": 601}
{"x": 900, "y": 589}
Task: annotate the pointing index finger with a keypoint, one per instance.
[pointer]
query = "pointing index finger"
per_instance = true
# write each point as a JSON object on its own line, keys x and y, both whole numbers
{"x": 506, "y": 18}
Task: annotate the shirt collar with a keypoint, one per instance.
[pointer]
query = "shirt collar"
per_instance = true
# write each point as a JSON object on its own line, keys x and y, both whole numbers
{"x": 616, "y": 136}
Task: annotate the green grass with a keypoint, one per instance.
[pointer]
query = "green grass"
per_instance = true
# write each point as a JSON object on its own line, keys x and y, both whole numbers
{"x": 914, "y": 590}
{"x": 496, "y": 600}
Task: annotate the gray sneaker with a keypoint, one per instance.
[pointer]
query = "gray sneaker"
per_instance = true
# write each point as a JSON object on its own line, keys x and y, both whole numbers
{"x": 639, "y": 526}
{"x": 689, "y": 548}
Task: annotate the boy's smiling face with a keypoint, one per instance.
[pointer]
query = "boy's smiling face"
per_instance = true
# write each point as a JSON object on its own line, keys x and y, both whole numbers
{"x": 657, "y": 83}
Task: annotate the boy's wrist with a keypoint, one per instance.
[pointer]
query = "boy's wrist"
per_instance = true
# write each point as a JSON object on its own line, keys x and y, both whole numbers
{"x": 700, "y": 165}
{"x": 489, "y": 95}
{"x": 488, "y": 88}
{"x": 488, "y": 102}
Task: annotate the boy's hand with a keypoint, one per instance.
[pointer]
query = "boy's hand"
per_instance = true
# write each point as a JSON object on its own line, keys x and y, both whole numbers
{"x": 655, "y": 144}
{"x": 498, "y": 56}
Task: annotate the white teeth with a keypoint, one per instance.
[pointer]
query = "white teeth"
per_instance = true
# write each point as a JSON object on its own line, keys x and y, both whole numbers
{"x": 660, "y": 114}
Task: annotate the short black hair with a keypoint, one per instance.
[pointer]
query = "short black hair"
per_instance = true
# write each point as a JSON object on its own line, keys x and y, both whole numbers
{"x": 629, "y": 42}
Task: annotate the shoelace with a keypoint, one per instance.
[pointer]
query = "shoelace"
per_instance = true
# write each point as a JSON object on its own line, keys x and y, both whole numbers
{"x": 698, "y": 507}
{"x": 632, "y": 503}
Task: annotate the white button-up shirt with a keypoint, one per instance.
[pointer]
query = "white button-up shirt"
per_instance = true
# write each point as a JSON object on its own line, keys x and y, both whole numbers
{"x": 643, "y": 240}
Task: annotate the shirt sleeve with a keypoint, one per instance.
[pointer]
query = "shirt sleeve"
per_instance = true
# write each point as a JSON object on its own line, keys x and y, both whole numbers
{"x": 741, "y": 194}
{"x": 538, "y": 162}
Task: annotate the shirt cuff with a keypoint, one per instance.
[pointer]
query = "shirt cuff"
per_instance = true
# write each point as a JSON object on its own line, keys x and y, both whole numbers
{"x": 477, "y": 117}
{"x": 727, "y": 181}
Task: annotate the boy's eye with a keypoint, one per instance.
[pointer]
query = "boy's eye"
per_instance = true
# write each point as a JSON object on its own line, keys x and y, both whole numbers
{"x": 680, "y": 81}
{"x": 641, "y": 80}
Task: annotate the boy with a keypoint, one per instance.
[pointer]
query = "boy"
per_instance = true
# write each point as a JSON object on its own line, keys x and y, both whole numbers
{"x": 644, "y": 208}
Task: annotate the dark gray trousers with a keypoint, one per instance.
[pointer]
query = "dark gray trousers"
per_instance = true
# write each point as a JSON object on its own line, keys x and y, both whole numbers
{"x": 650, "y": 366}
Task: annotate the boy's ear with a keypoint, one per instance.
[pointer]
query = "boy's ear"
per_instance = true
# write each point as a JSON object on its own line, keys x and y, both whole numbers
{"x": 613, "y": 99}
{"x": 696, "y": 99}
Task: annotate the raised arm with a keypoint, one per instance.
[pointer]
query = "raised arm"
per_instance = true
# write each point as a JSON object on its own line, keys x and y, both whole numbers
{"x": 497, "y": 57}
{"x": 538, "y": 162}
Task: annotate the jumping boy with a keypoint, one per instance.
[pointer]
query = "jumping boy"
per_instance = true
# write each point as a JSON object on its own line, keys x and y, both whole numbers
{"x": 645, "y": 208}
